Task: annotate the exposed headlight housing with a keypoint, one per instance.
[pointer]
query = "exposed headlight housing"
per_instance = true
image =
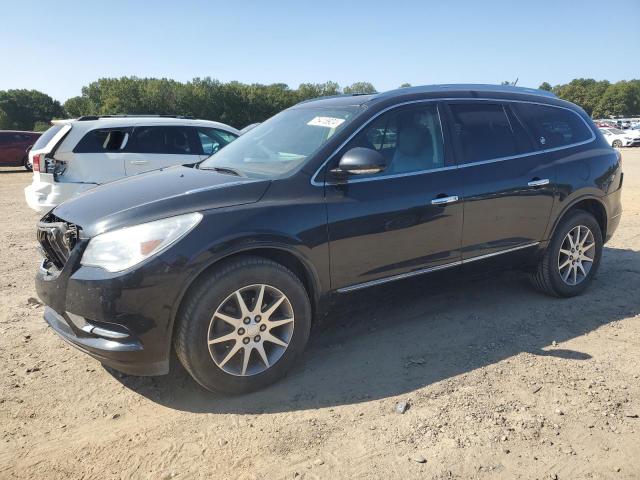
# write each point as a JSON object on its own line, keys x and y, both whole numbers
{"x": 121, "y": 249}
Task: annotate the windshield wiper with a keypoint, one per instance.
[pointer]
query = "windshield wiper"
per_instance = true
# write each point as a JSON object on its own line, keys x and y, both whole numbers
{"x": 225, "y": 170}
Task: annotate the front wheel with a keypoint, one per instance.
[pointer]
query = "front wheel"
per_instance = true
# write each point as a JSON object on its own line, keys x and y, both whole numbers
{"x": 26, "y": 163}
{"x": 572, "y": 257}
{"x": 243, "y": 326}
{"x": 617, "y": 144}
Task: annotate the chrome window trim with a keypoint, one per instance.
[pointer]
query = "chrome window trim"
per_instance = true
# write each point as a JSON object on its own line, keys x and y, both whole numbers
{"x": 317, "y": 183}
{"x": 422, "y": 271}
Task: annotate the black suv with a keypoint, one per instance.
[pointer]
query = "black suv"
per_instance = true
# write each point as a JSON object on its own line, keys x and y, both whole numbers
{"x": 231, "y": 260}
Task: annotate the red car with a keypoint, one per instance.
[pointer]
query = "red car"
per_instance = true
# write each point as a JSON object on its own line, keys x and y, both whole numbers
{"x": 14, "y": 148}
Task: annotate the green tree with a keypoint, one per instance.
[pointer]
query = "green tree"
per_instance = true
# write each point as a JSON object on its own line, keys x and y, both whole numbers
{"x": 405, "y": 85}
{"x": 585, "y": 92}
{"x": 41, "y": 126}
{"x": 21, "y": 109}
{"x": 619, "y": 99}
{"x": 307, "y": 91}
{"x": 360, "y": 87}
{"x": 79, "y": 106}
{"x": 545, "y": 86}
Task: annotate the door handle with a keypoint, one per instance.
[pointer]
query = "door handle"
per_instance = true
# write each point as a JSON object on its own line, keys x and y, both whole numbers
{"x": 443, "y": 200}
{"x": 538, "y": 182}
{"x": 139, "y": 162}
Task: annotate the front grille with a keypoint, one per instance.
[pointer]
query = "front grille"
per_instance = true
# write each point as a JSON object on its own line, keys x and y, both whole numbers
{"x": 57, "y": 239}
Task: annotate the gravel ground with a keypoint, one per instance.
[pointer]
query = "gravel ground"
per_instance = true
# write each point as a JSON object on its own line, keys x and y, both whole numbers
{"x": 437, "y": 378}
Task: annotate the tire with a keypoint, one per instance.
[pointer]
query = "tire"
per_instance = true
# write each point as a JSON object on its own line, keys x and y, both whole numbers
{"x": 27, "y": 164}
{"x": 548, "y": 276}
{"x": 616, "y": 144}
{"x": 199, "y": 323}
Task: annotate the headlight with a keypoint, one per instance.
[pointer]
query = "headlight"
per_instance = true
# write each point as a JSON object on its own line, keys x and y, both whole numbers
{"x": 120, "y": 249}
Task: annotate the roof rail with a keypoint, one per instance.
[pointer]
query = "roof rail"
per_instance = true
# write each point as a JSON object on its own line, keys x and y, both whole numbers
{"x": 96, "y": 117}
{"x": 339, "y": 95}
{"x": 485, "y": 88}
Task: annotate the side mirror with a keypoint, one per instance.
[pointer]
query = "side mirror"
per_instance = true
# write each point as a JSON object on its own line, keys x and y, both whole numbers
{"x": 361, "y": 161}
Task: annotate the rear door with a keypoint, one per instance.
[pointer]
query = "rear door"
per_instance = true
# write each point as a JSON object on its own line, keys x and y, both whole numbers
{"x": 509, "y": 182}
{"x": 404, "y": 220}
{"x": 5, "y": 148}
{"x": 98, "y": 157}
{"x": 12, "y": 148}
{"x": 157, "y": 146}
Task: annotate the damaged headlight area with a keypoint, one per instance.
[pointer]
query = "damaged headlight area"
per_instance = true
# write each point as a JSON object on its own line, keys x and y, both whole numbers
{"x": 121, "y": 249}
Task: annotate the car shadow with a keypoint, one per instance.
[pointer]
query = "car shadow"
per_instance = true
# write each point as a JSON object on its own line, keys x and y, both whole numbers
{"x": 12, "y": 170}
{"x": 392, "y": 340}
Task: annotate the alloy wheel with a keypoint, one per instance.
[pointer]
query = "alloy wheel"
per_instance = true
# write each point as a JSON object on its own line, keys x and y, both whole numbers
{"x": 250, "y": 330}
{"x": 576, "y": 256}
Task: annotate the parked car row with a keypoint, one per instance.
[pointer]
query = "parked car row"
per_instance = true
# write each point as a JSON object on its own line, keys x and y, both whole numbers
{"x": 621, "y": 138}
{"x": 230, "y": 260}
{"x": 619, "y": 124}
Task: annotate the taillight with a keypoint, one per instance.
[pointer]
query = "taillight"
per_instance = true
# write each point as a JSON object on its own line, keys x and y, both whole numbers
{"x": 36, "y": 162}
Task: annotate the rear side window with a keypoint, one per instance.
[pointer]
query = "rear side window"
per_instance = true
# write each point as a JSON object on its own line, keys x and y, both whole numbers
{"x": 213, "y": 139}
{"x": 554, "y": 126}
{"x": 46, "y": 137}
{"x": 484, "y": 131}
{"x": 164, "y": 140}
{"x": 104, "y": 140}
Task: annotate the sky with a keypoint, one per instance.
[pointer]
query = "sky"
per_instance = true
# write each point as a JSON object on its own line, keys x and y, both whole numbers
{"x": 58, "y": 47}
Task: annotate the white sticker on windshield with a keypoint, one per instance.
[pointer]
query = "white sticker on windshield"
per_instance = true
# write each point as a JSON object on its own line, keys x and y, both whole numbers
{"x": 327, "y": 122}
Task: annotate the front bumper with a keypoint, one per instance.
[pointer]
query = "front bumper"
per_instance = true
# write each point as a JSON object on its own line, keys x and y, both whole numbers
{"x": 124, "y": 320}
{"x": 122, "y": 354}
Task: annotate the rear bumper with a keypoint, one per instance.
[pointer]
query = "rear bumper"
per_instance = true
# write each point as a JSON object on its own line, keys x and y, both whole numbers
{"x": 44, "y": 193}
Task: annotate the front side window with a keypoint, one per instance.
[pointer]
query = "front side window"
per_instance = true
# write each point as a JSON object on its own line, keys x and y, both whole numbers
{"x": 103, "y": 140}
{"x": 484, "y": 131}
{"x": 174, "y": 140}
{"x": 409, "y": 138}
{"x": 213, "y": 139}
{"x": 283, "y": 143}
{"x": 554, "y": 126}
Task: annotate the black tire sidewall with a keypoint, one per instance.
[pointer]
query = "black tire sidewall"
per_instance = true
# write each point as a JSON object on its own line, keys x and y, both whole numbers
{"x": 578, "y": 218}
{"x": 211, "y": 294}
{"x": 27, "y": 165}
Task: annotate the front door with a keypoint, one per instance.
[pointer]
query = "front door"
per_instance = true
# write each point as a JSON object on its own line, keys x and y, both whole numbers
{"x": 404, "y": 220}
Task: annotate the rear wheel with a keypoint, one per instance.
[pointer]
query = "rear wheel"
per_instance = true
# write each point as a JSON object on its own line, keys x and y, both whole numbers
{"x": 26, "y": 163}
{"x": 243, "y": 326}
{"x": 572, "y": 257}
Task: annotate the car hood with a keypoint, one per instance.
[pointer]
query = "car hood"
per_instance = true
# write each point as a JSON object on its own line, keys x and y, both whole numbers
{"x": 157, "y": 194}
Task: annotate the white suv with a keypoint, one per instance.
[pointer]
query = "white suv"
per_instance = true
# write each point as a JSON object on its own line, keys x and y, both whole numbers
{"x": 76, "y": 155}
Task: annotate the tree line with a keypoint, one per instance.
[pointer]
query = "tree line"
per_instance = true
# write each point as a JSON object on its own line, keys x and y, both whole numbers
{"x": 240, "y": 104}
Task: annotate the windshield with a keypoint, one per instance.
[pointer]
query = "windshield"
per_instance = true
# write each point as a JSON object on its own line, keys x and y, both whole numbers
{"x": 280, "y": 145}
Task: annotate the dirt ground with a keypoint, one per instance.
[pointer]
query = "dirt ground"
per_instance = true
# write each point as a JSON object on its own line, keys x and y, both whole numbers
{"x": 500, "y": 382}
